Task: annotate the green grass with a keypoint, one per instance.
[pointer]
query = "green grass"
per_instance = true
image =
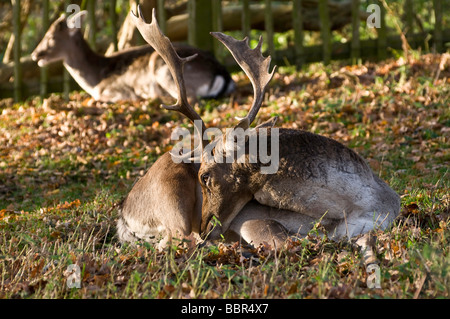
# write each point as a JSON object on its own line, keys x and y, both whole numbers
{"x": 64, "y": 165}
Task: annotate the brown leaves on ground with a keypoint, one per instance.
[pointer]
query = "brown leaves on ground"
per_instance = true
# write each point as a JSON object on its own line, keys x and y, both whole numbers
{"x": 376, "y": 109}
{"x": 63, "y": 164}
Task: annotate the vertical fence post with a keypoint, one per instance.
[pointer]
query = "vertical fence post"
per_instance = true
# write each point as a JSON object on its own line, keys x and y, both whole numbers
{"x": 382, "y": 33}
{"x": 17, "y": 51}
{"x": 92, "y": 24}
{"x": 217, "y": 15}
{"x": 217, "y": 27}
{"x": 66, "y": 74}
{"x": 268, "y": 25}
{"x": 297, "y": 24}
{"x": 409, "y": 12}
{"x": 200, "y": 23}
{"x": 245, "y": 18}
{"x": 437, "y": 6}
{"x": 325, "y": 30}
{"x": 161, "y": 14}
{"x": 191, "y": 22}
{"x": 356, "y": 45}
{"x": 113, "y": 17}
{"x": 44, "y": 70}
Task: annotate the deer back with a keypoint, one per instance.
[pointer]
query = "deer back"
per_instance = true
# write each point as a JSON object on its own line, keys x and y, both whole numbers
{"x": 315, "y": 176}
{"x": 164, "y": 202}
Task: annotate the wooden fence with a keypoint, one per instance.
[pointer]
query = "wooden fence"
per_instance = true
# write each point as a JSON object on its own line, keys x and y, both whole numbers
{"x": 206, "y": 15}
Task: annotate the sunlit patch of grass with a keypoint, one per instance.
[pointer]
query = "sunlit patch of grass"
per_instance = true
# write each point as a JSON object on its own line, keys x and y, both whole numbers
{"x": 64, "y": 165}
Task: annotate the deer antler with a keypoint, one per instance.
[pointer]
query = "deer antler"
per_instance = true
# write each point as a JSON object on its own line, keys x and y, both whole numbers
{"x": 153, "y": 35}
{"x": 254, "y": 65}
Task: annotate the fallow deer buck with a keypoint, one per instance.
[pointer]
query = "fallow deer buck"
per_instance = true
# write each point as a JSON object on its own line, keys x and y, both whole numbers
{"x": 167, "y": 201}
{"x": 317, "y": 177}
{"x": 133, "y": 74}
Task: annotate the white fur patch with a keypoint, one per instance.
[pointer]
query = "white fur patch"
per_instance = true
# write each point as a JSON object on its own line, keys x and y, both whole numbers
{"x": 202, "y": 90}
{"x": 136, "y": 229}
{"x": 206, "y": 91}
{"x": 217, "y": 86}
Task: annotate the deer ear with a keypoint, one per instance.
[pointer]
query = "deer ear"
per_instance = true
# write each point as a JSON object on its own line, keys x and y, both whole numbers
{"x": 269, "y": 123}
{"x": 229, "y": 140}
{"x": 75, "y": 21}
{"x": 243, "y": 123}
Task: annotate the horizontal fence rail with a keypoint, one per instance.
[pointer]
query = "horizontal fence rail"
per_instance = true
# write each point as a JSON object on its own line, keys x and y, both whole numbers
{"x": 267, "y": 16}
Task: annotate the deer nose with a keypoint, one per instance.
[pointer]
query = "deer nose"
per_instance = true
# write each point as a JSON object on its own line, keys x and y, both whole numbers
{"x": 211, "y": 231}
{"x": 205, "y": 227}
{"x": 204, "y": 234}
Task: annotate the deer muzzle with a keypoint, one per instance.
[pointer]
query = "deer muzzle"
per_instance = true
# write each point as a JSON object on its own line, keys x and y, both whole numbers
{"x": 211, "y": 229}
{"x": 39, "y": 57}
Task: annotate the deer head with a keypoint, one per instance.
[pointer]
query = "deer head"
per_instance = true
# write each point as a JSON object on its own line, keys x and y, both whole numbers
{"x": 57, "y": 40}
{"x": 228, "y": 172}
{"x": 256, "y": 67}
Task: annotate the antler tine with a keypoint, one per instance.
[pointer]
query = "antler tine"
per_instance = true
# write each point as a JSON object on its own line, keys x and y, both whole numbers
{"x": 254, "y": 65}
{"x": 153, "y": 35}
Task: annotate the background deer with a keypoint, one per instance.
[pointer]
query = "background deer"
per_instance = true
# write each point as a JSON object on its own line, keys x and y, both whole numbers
{"x": 137, "y": 73}
{"x": 317, "y": 177}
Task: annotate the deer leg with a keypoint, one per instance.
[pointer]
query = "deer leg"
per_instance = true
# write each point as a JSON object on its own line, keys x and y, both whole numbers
{"x": 131, "y": 230}
{"x": 359, "y": 229}
{"x": 187, "y": 240}
{"x": 267, "y": 231}
{"x": 358, "y": 223}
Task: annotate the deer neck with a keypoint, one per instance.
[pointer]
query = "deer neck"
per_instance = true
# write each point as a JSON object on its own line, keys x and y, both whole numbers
{"x": 84, "y": 65}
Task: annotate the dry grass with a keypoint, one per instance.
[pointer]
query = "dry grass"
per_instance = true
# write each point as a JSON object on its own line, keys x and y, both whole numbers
{"x": 63, "y": 166}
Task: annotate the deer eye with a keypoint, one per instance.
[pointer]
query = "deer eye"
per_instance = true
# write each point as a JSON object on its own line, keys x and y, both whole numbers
{"x": 204, "y": 178}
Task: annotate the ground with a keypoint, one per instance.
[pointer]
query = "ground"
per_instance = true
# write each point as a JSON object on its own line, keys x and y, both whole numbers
{"x": 63, "y": 166}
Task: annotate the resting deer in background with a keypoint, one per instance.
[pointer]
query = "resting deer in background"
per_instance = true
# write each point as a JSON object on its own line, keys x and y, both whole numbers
{"x": 133, "y": 74}
{"x": 316, "y": 177}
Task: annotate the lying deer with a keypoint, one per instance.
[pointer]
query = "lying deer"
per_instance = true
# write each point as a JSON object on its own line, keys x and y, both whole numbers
{"x": 133, "y": 74}
{"x": 167, "y": 201}
{"x": 317, "y": 177}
